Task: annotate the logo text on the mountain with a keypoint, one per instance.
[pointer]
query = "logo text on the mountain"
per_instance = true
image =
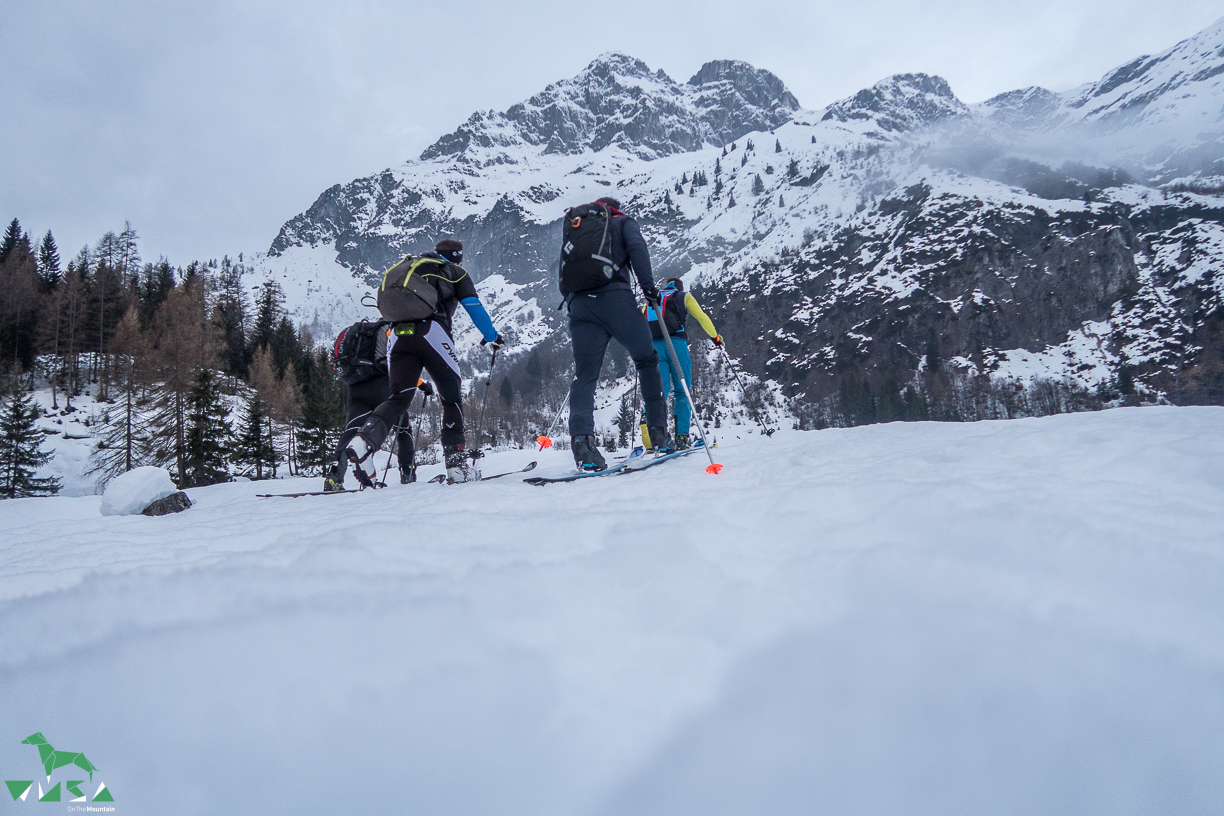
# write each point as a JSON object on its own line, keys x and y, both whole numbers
{"x": 51, "y": 759}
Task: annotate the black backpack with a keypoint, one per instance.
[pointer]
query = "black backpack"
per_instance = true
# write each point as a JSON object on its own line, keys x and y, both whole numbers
{"x": 405, "y": 294}
{"x": 586, "y": 242}
{"x": 673, "y": 315}
{"x": 355, "y": 355}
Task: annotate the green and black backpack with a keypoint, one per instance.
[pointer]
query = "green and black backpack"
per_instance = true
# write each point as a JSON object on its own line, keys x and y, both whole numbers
{"x": 406, "y": 293}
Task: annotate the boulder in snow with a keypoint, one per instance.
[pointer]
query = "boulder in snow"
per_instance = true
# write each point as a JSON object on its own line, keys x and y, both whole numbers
{"x": 130, "y": 493}
{"x": 174, "y": 503}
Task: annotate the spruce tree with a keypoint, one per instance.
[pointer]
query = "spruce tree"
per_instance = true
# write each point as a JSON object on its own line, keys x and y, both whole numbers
{"x": 21, "y": 451}
{"x": 156, "y": 283}
{"x": 323, "y": 414}
{"x": 208, "y": 435}
{"x": 778, "y": 146}
{"x": 11, "y": 236}
{"x": 624, "y": 421}
{"x": 758, "y": 186}
{"x": 506, "y": 392}
{"x": 268, "y": 312}
{"x": 230, "y": 317}
{"x": 253, "y": 444}
{"x": 49, "y": 263}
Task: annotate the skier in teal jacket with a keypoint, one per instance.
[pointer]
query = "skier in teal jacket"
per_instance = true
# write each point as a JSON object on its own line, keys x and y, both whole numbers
{"x": 677, "y": 305}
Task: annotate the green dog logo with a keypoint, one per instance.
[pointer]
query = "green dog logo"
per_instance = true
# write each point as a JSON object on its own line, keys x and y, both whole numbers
{"x": 52, "y": 759}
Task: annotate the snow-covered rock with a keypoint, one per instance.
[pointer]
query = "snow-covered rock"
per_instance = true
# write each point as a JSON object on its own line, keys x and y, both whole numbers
{"x": 130, "y": 493}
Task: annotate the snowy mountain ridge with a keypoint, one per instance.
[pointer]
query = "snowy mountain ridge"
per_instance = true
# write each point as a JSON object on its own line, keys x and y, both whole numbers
{"x": 1006, "y": 230}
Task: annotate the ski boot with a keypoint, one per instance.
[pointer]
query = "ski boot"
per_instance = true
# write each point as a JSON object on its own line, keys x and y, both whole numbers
{"x": 586, "y": 456}
{"x": 661, "y": 440}
{"x": 357, "y": 452}
{"x": 457, "y": 469}
{"x": 333, "y": 482}
{"x": 408, "y": 474}
{"x": 682, "y": 441}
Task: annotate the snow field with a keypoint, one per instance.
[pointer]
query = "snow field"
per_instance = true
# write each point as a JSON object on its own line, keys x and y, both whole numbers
{"x": 999, "y": 617}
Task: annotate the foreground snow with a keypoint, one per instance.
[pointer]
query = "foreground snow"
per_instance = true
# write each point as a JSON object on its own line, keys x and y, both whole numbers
{"x": 1001, "y": 617}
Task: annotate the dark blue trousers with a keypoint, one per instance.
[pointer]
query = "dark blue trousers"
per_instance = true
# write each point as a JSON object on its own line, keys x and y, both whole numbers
{"x": 594, "y": 319}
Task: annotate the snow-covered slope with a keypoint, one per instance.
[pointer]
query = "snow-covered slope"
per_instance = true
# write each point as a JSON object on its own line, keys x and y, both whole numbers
{"x": 999, "y": 617}
{"x": 810, "y": 233}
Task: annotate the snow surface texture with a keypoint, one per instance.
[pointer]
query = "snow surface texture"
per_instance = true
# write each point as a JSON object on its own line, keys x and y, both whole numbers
{"x": 130, "y": 493}
{"x": 1001, "y": 617}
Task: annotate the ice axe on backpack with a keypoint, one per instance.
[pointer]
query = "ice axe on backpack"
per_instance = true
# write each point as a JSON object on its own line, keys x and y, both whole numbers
{"x": 768, "y": 431}
{"x": 675, "y": 361}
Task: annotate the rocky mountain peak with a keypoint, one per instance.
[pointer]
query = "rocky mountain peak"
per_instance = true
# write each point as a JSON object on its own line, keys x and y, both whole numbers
{"x": 619, "y": 101}
{"x": 1025, "y": 108}
{"x": 900, "y": 103}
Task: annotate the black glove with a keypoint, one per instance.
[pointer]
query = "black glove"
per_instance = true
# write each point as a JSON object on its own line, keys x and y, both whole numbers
{"x": 718, "y": 341}
{"x": 426, "y": 388}
{"x": 496, "y": 344}
{"x": 652, "y": 297}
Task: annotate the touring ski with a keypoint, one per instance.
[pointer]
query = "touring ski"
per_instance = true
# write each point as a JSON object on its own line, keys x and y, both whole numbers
{"x": 299, "y": 495}
{"x": 530, "y": 466}
{"x": 587, "y": 474}
{"x": 650, "y": 461}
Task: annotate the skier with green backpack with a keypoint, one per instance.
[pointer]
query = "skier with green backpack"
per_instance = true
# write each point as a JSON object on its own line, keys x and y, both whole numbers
{"x": 419, "y": 296}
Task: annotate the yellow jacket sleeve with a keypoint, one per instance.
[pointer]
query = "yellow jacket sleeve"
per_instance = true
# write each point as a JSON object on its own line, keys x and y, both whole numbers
{"x": 690, "y": 304}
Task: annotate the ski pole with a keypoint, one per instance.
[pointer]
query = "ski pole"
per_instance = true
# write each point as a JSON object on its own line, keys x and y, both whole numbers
{"x": 768, "y": 431}
{"x": 484, "y": 405}
{"x": 545, "y": 440}
{"x": 675, "y": 361}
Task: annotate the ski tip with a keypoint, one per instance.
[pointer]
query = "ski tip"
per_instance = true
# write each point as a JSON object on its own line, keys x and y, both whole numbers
{"x": 544, "y": 442}
{"x": 714, "y": 468}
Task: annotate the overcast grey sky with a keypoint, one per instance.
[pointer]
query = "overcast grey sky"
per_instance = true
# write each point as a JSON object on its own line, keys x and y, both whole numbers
{"x": 209, "y": 124}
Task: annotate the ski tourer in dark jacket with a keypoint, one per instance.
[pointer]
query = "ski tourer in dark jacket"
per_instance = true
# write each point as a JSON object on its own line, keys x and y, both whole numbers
{"x": 610, "y": 312}
{"x": 428, "y": 344}
{"x": 630, "y": 254}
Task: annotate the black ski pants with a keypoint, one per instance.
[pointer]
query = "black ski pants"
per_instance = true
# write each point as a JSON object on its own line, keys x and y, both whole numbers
{"x": 594, "y": 319}
{"x": 363, "y": 398}
{"x": 431, "y": 348}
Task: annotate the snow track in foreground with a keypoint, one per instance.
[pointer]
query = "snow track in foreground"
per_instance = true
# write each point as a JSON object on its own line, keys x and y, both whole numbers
{"x": 999, "y": 617}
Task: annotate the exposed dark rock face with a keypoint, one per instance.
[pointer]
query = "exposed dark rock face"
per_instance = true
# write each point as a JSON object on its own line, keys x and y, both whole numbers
{"x": 174, "y": 503}
{"x": 900, "y": 103}
{"x": 617, "y": 100}
{"x": 973, "y": 278}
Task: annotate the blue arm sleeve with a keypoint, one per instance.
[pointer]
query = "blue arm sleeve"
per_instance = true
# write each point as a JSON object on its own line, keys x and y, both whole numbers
{"x": 480, "y": 317}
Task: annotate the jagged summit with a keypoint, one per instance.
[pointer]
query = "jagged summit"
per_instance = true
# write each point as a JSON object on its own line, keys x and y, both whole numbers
{"x": 619, "y": 101}
{"x": 900, "y": 103}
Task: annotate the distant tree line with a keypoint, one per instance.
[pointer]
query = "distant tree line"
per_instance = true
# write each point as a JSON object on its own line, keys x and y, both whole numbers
{"x": 191, "y": 374}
